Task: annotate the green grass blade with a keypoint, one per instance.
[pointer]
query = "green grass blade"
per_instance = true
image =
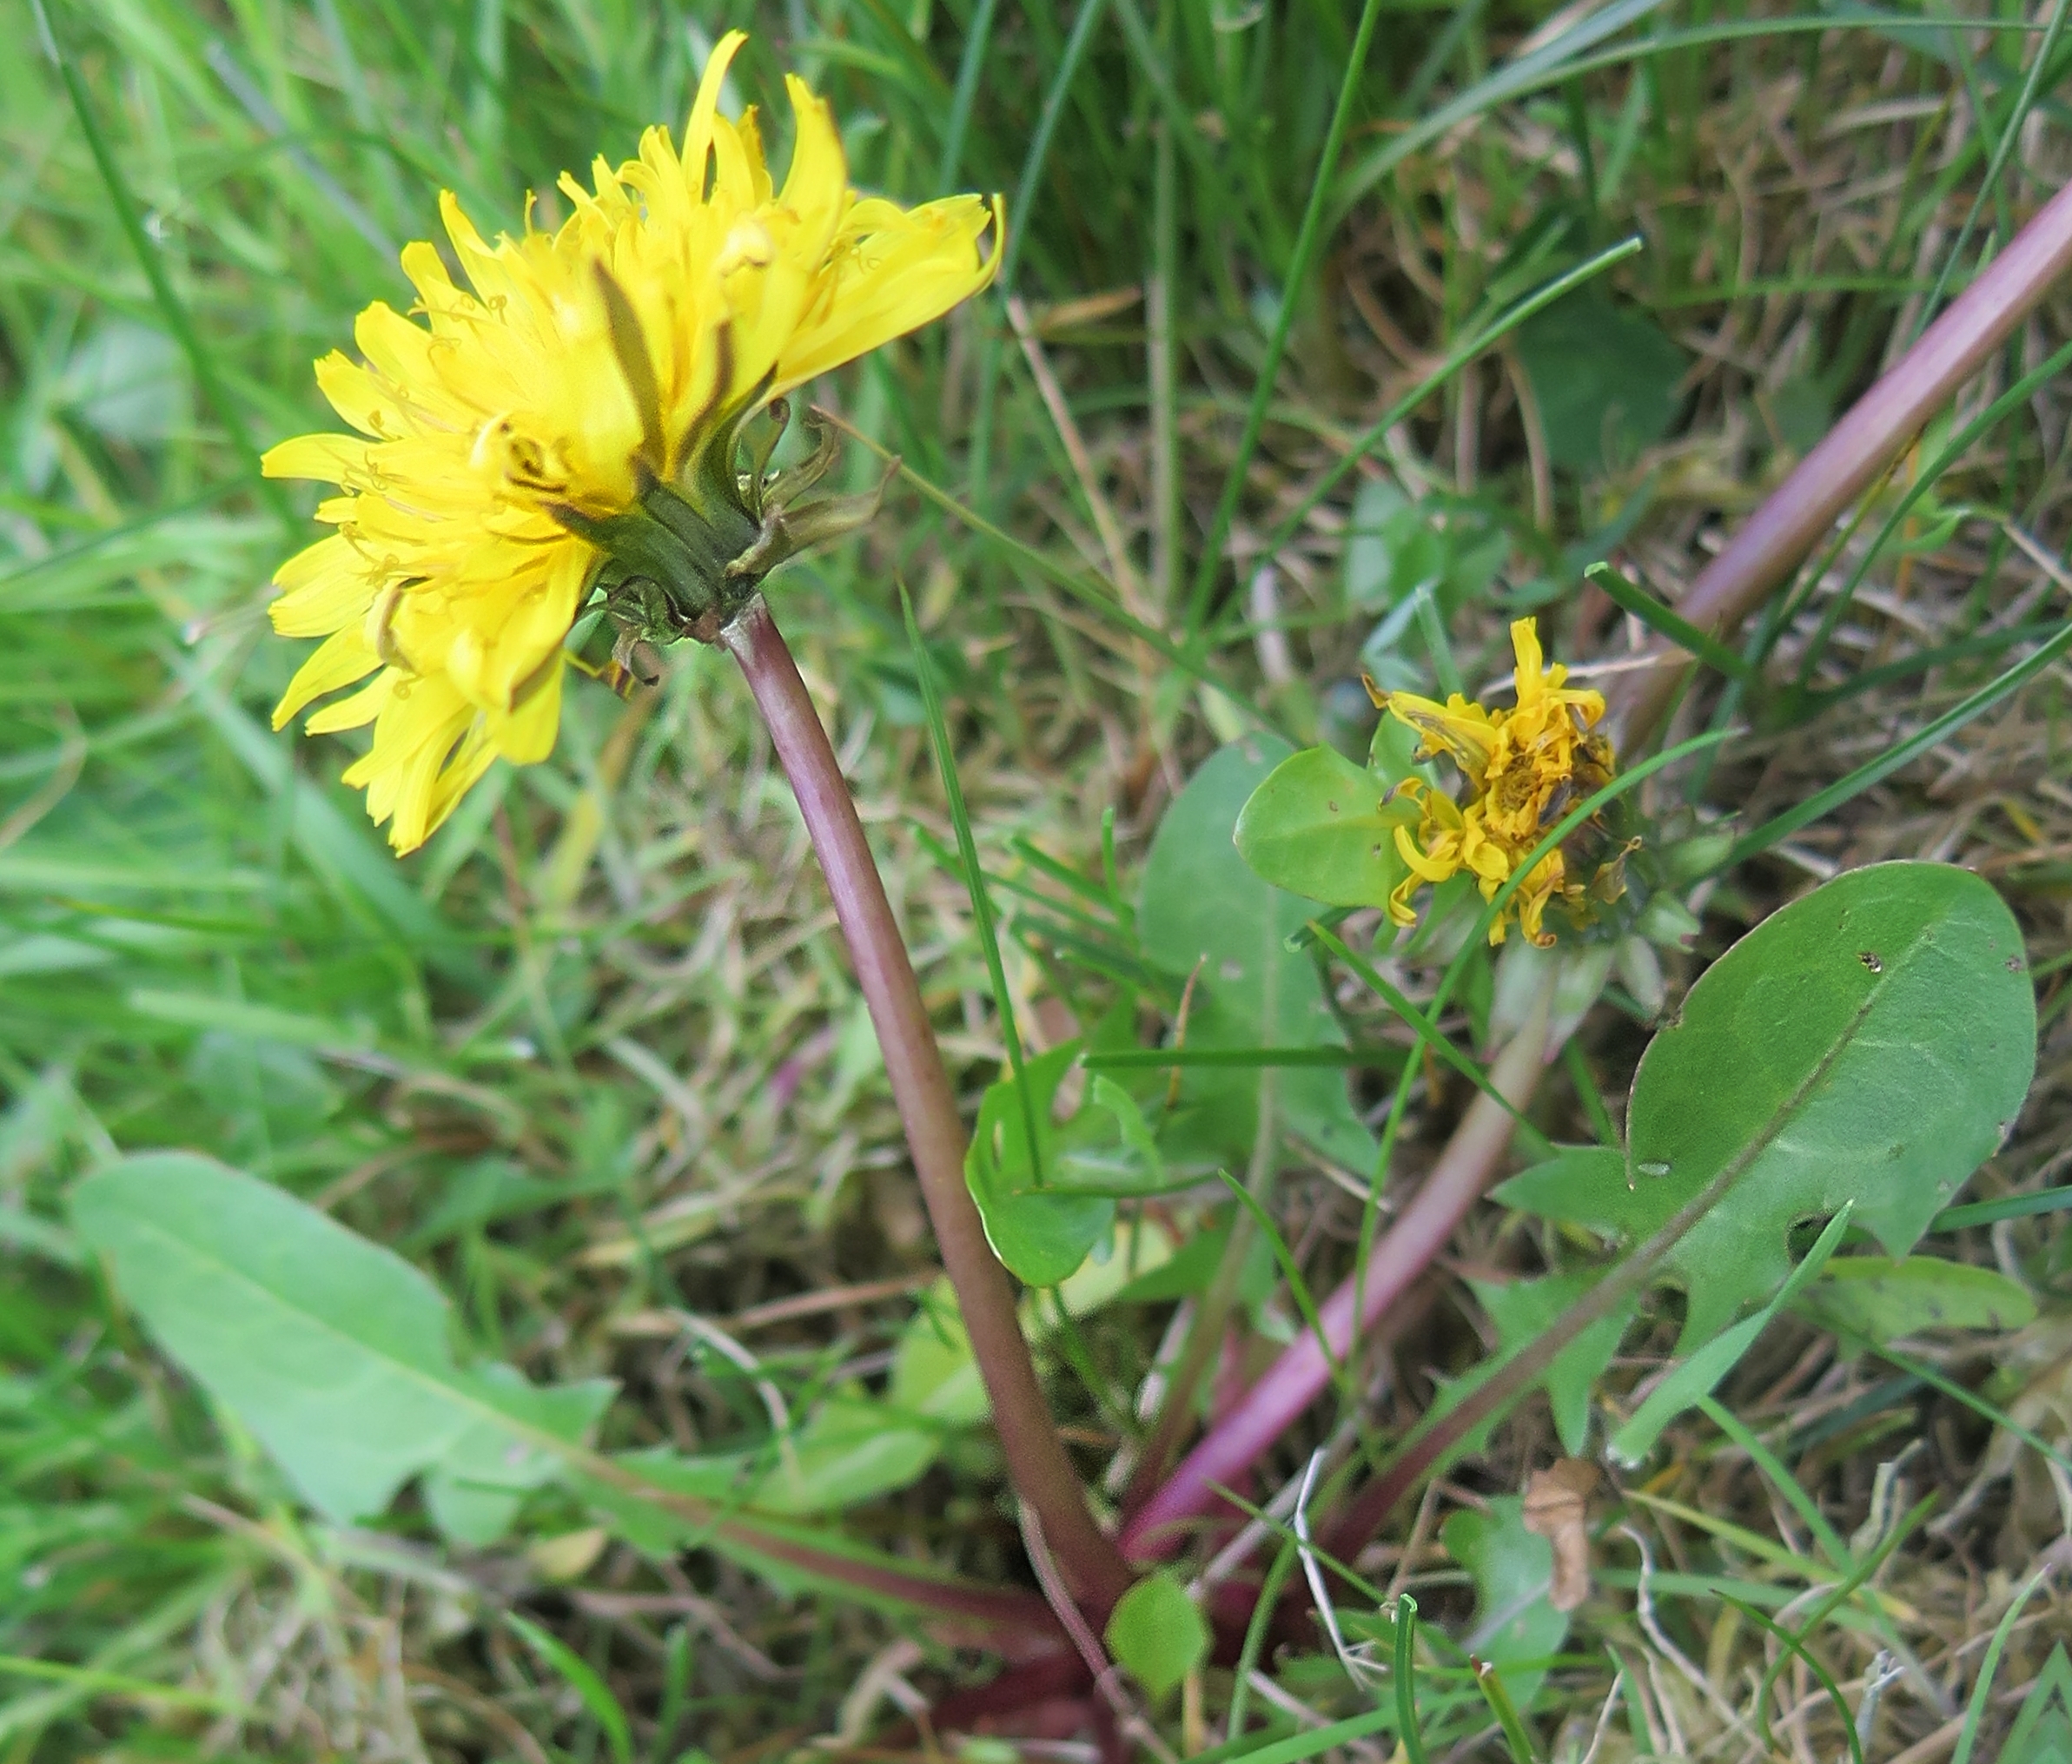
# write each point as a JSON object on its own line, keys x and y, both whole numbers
{"x": 1255, "y": 1632}
{"x": 1989, "y": 188}
{"x": 1988, "y": 1669}
{"x": 1303, "y": 1746}
{"x": 1792, "y": 1646}
{"x": 970, "y": 68}
{"x": 1832, "y": 614}
{"x": 981, "y": 905}
{"x": 582, "y": 1678}
{"x": 1874, "y": 771}
{"x": 1831, "y": 1602}
{"x": 1240, "y": 1059}
{"x": 1664, "y": 622}
{"x": 1297, "y": 1286}
{"x": 1548, "y": 65}
{"x": 1992, "y": 1211}
{"x": 1429, "y": 1035}
{"x": 1307, "y": 240}
{"x": 1406, "y": 1662}
{"x": 171, "y": 309}
{"x": 1033, "y": 163}
{"x": 1781, "y": 1479}
{"x": 1517, "y": 1737}
{"x": 1072, "y": 583}
{"x": 1459, "y": 357}
{"x": 1970, "y": 1399}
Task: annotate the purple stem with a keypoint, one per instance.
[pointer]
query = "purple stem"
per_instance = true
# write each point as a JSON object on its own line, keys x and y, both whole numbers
{"x": 1795, "y": 517}
{"x": 1298, "y": 1378}
{"x": 1043, "y": 1475}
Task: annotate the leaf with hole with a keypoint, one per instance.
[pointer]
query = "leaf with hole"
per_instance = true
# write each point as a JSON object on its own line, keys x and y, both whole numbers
{"x": 1204, "y": 913}
{"x": 1871, "y": 1042}
{"x": 333, "y": 1351}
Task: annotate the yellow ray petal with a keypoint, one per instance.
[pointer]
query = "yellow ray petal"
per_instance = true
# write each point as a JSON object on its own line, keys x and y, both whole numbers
{"x": 698, "y": 132}
{"x": 329, "y": 586}
{"x": 1524, "y": 645}
{"x": 327, "y": 458}
{"x": 340, "y": 659}
{"x": 526, "y": 735}
{"x": 356, "y": 711}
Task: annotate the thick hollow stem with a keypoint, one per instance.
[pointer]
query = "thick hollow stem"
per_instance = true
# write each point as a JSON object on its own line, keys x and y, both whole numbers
{"x": 1043, "y": 1475}
{"x": 1792, "y": 519}
{"x": 1296, "y": 1380}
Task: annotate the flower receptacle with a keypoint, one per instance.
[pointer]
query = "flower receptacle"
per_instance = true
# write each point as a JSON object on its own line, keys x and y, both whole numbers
{"x": 685, "y": 558}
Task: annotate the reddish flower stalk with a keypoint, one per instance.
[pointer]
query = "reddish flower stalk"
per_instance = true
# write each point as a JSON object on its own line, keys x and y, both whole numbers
{"x": 1805, "y": 506}
{"x": 1298, "y": 1377}
{"x": 1043, "y": 1475}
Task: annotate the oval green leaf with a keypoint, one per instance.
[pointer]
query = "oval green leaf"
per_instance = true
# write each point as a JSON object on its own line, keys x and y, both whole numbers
{"x": 1323, "y": 827}
{"x": 1871, "y": 1042}
{"x": 1206, "y": 915}
{"x": 1041, "y": 1230}
{"x": 1156, "y": 1634}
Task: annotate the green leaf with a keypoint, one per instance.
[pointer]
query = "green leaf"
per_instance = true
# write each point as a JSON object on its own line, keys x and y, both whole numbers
{"x": 1871, "y": 1042}
{"x": 332, "y": 1351}
{"x": 1515, "y": 1624}
{"x": 475, "y": 1489}
{"x": 934, "y": 1371}
{"x": 1043, "y": 1232}
{"x": 1394, "y": 545}
{"x": 1605, "y": 377}
{"x": 1203, "y": 907}
{"x": 1193, "y": 1265}
{"x": 1323, "y": 827}
{"x": 852, "y": 1450}
{"x": 1693, "y": 1379}
{"x": 2042, "y": 1731}
{"x": 1156, "y": 1634}
{"x": 1137, "y": 1247}
{"x": 1524, "y": 1310}
{"x": 596, "y": 1694}
{"x": 1886, "y": 1297}
{"x": 933, "y": 1374}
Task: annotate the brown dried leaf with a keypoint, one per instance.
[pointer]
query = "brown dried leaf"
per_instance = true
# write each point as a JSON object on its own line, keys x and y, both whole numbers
{"x": 1557, "y": 1508}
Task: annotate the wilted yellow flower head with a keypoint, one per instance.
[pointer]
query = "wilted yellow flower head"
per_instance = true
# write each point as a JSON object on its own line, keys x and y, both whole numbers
{"x": 1526, "y": 768}
{"x": 570, "y": 422}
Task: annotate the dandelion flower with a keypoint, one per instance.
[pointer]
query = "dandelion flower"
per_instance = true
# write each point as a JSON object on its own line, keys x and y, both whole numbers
{"x": 1525, "y": 768}
{"x": 567, "y": 424}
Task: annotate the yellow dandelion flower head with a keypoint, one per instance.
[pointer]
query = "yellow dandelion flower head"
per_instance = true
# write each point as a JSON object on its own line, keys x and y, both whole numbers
{"x": 568, "y": 419}
{"x": 1524, "y": 767}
